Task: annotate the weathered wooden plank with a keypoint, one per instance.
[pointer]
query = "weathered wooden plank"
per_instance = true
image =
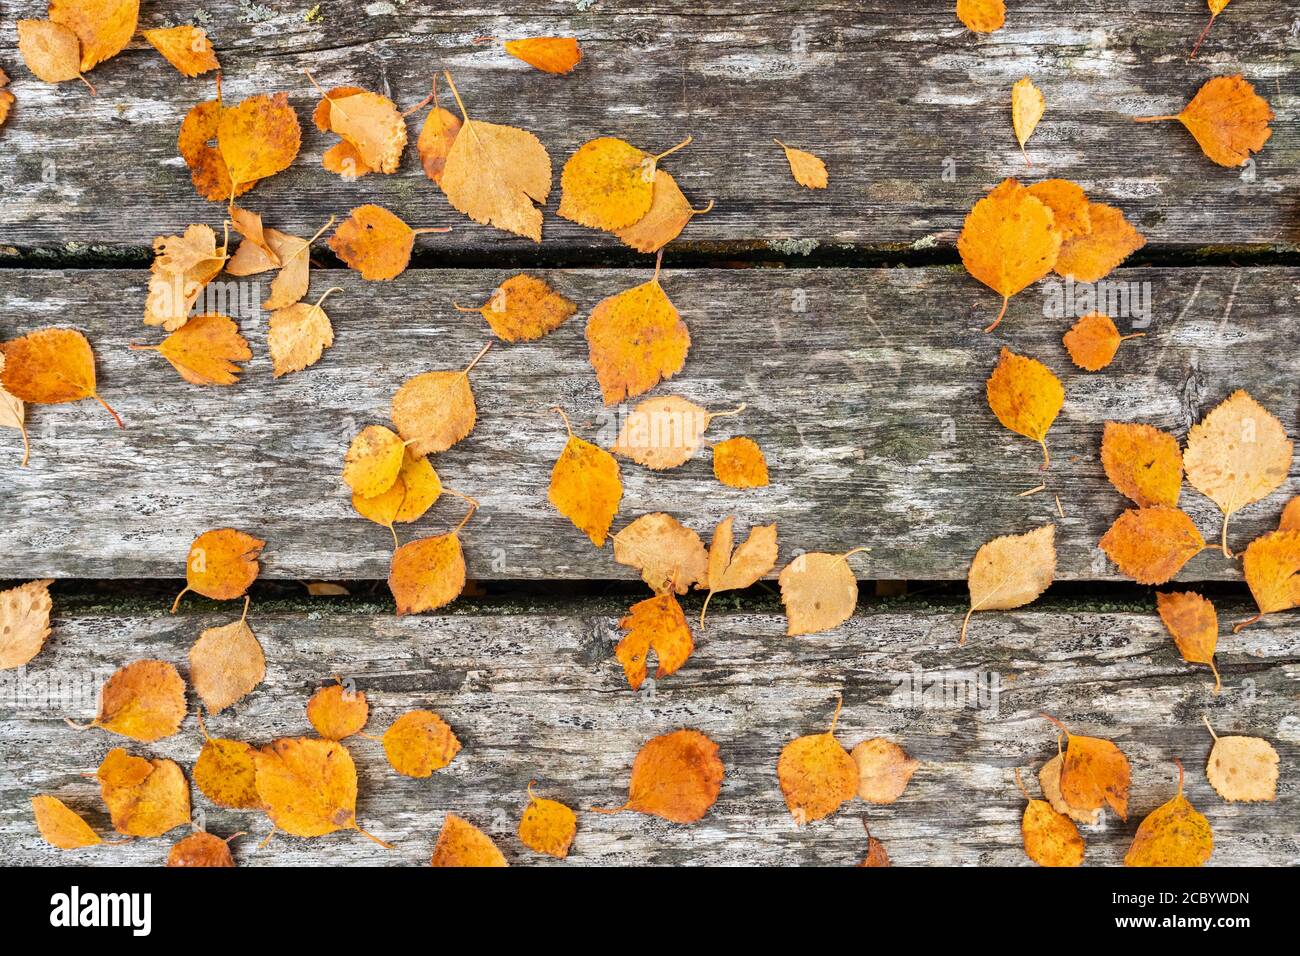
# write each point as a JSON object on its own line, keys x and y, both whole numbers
{"x": 539, "y": 695}
{"x": 893, "y": 96}
{"x": 870, "y": 405}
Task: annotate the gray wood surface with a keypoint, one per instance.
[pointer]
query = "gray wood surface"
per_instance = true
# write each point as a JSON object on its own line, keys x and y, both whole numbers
{"x": 870, "y": 405}
{"x": 539, "y": 695}
{"x": 889, "y": 94}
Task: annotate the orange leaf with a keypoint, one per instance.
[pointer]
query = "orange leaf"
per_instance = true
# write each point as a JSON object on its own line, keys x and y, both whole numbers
{"x": 24, "y": 622}
{"x": 1025, "y": 396}
{"x": 427, "y": 573}
{"x": 104, "y": 27}
{"x": 435, "y": 410}
{"x": 735, "y": 570}
{"x": 1151, "y": 545}
{"x": 373, "y": 461}
{"x": 420, "y": 742}
{"x": 1228, "y": 119}
{"x": 982, "y": 16}
{"x": 145, "y": 798}
{"x": 221, "y": 564}
{"x": 1271, "y": 565}
{"x": 208, "y": 169}
{"x": 609, "y": 184}
{"x": 226, "y": 663}
{"x": 1093, "y": 341}
{"x": 1050, "y": 837}
{"x": 669, "y": 213}
{"x": 437, "y": 136}
{"x": 586, "y": 486}
{"x": 144, "y": 700}
{"x": 375, "y": 242}
{"x": 1094, "y": 771}
{"x": 1069, "y": 206}
{"x": 807, "y": 169}
{"x": 61, "y": 826}
{"x": 1011, "y": 571}
{"x": 50, "y": 367}
{"x": 461, "y": 844}
{"x": 816, "y": 774}
{"x": 547, "y": 826}
{"x": 635, "y": 340}
{"x": 200, "y": 849}
{"x": 548, "y": 54}
{"x": 259, "y": 137}
{"x": 308, "y": 787}
{"x": 739, "y": 463}
{"x": 337, "y": 711}
{"x": 204, "y": 350}
{"x": 676, "y": 776}
{"x": 884, "y": 770}
{"x": 226, "y": 774}
{"x": 1194, "y": 626}
{"x": 368, "y": 122}
{"x": 819, "y": 591}
{"x": 51, "y": 51}
{"x": 524, "y": 308}
{"x": 663, "y": 433}
{"x": 669, "y": 555}
{"x": 186, "y": 48}
{"x": 1173, "y": 834}
{"x": 1143, "y": 463}
{"x": 1108, "y": 243}
{"x": 658, "y": 623}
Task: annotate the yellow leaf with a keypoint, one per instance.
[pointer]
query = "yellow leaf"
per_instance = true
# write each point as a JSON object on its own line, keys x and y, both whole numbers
{"x": 144, "y": 700}
{"x": 884, "y": 770}
{"x": 819, "y": 592}
{"x": 373, "y": 461}
{"x": 547, "y": 826}
{"x": 1242, "y": 769}
{"x": 145, "y": 798}
{"x": 1027, "y": 108}
{"x": 104, "y": 27}
{"x": 375, "y": 242}
{"x": 807, "y": 169}
{"x": 1228, "y": 119}
{"x": 259, "y": 137}
{"x": 735, "y": 570}
{"x": 585, "y": 486}
{"x": 1108, "y": 243}
{"x": 524, "y": 308}
{"x": 1173, "y": 834}
{"x": 739, "y": 463}
{"x": 657, "y": 623}
{"x": 635, "y": 340}
{"x": 435, "y": 410}
{"x": 669, "y": 555}
{"x": 1011, "y": 571}
{"x": 609, "y": 184}
{"x": 420, "y": 742}
{"x": 298, "y": 334}
{"x": 185, "y": 47}
{"x": 1025, "y": 396}
{"x": 669, "y": 213}
{"x": 51, "y": 51}
{"x": 816, "y": 774}
{"x": 204, "y": 350}
{"x": 60, "y": 826}
{"x": 461, "y": 844}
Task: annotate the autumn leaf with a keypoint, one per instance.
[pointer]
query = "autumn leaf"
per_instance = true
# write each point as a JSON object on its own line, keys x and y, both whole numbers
{"x": 185, "y": 47}
{"x": 1290, "y": 520}
{"x": 548, "y": 54}
{"x": 816, "y": 774}
{"x": 298, "y": 335}
{"x": 1025, "y": 396}
{"x": 419, "y": 742}
{"x": 730, "y": 570}
{"x": 523, "y": 309}
{"x": 461, "y": 844}
{"x": 308, "y": 787}
{"x": 337, "y": 711}
{"x": 1228, "y": 119}
{"x": 884, "y": 770}
{"x": 1027, "y": 108}
{"x": 24, "y": 622}
{"x": 657, "y": 623}
{"x": 1069, "y": 205}
{"x": 342, "y": 157}
{"x": 586, "y": 486}
{"x": 226, "y": 663}
{"x": 429, "y": 573}
{"x": 182, "y": 268}
{"x": 1109, "y": 242}
{"x": 1008, "y": 241}
{"x": 547, "y": 826}
{"x": 669, "y": 213}
{"x": 373, "y": 461}
{"x": 290, "y": 283}
{"x": 494, "y": 174}
{"x": 49, "y": 367}
{"x": 438, "y": 135}
{"x": 609, "y": 183}
{"x": 669, "y": 555}
{"x": 144, "y": 700}
{"x": 375, "y": 242}
{"x": 807, "y": 169}
{"x": 877, "y": 855}
{"x": 413, "y": 493}
{"x": 13, "y": 414}
{"x": 676, "y": 776}
{"x": 249, "y": 225}
{"x": 435, "y": 410}
{"x": 62, "y": 827}
{"x": 1194, "y": 626}
{"x": 1049, "y": 779}
{"x": 221, "y": 565}
{"x": 1216, "y": 7}
{"x": 145, "y": 798}
{"x": 6, "y": 98}
{"x": 1151, "y": 545}
{"x": 663, "y": 433}
{"x": 1143, "y": 463}
{"x": 258, "y": 138}
{"x": 635, "y": 340}
{"x": 201, "y": 849}
{"x": 205, "y": 350}
{"x": 739, "y": 463}
{"x": 982, "y": 16}
{"x": 1271, "y": 566}
{"x": 225, "y": 772}
{"x": 819, "y": 592}
{"x": 1093, "y": 341}
{"x": 103, "y": 27}
{"x": 51, "y": 51}
{"x": 1173, "y": 834}
{"x": 208, "y": 170}
{"x": 369, "y": 122}
{"x": 1237, "y": 455}
{"x": 1242, "y": 769}
{"x": 1094, "y": 770}
{"x": 1050, "y": 837}
{"x": 1011, "y": 571}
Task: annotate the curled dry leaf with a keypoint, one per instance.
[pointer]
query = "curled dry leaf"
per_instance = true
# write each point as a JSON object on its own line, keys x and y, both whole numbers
{"x": 739, "y": 463}
{"x": 1238, "y": 454}
{"x": 145, "y": 798}
{"x": 182, "y": 268}
{"x": 50, "y": 367}
{"x": 547, "y": 826}
{"x": 1050, "y": 837}
{"x": 1049, "y": 779}
{"x": 524, "y": 308}
{"x": 103, "y": 27}
{"x": 1110, "y": 241}
{"x": 635, "y": 340}
{"x": 816, "y": 774}
{"x": 586, "y": 486}
{"x": 255, "y": 254}
{"x": 1069, "y": 205}
{"x": 609, "y": 184}
{"x": 807, "y": 169}
{"x": 670, "y": 556}
{"x": 1271, "y": 566}
{"x": 494, "y": 174}
{"x": 734, "y": 571}
{"x": 548, "y": 54}
{"x": 884, "y": 770}
{"x": 205, "y": 350}
{"x": 290, "y": 283}
{"x": 982, "y": 16}
{"x": 226, "y": 663}
{"x": 435, "y": 410}
{"x": 819, "y": 592}
{"x": 368, "y": 122}
{"x": 1009, "y": 241}
{"x": 308, "y": 787}
{"x": 1242, "y": 769}
{"x": 185, "y": 47}
{"x": 373, "y": 461}
{"x": 342, "y": 157}
{"x": 1093, "y": 341}
{"x": 1011, "y": 571}
{"x": 420, "y": 742}
{"x": 657, "y": 623}
{"x": 663, "y": 433}
{"x": 1151, "y": 545}
{"x": 144, "y": 700}
{"x": 338, "y": 711}
{"x": 51, "y": 51}
{"x": 258, "y": 138}
{"x": 1194, "y": 626}
{"x": 61, "y": 826}
{"x": 1094, "y": 771}
{"x": 669, "y": 213}
{"x": 676, "y": 776}
{"x": 1027, "y": 108}
{"x": 298, "y": 335}
{"x": 1025, "y": 396}
{"x": 226, "y": 772}
{"x": 1173, "y": 834}
{"x": 1143, "y": 463}
{"x": 201, "y": 849}
{"x": 24, "y": 622}
{"x": 221, "y": 565}
{"x": 461, "y": 844}
{"x": 375, "y": 242}
{"x": 1228, "y": 119}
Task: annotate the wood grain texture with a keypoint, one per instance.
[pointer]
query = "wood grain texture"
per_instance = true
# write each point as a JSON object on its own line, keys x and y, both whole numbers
{"x": 535, "y": 695}
{"x": 870, "y": 405}
{"x": 890, "y": 94}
